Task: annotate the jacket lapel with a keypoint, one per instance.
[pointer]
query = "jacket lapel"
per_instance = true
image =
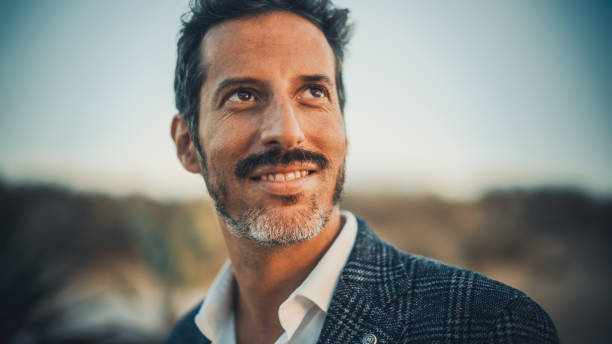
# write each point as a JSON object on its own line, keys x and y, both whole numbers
{"x": 367, "y": 298}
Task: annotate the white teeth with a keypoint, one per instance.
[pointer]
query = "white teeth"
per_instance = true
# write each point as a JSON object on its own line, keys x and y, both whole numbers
{"x": 281, "y": 177}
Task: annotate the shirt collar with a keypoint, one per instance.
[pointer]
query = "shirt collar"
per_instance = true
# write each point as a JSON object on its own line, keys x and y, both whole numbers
{"x": 318, "y": 287}
{"x": 315, "y": 293}
{"x": 218, "y": 306}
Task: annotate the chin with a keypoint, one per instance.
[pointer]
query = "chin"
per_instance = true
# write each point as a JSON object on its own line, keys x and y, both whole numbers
{"x": 282, "y": 225}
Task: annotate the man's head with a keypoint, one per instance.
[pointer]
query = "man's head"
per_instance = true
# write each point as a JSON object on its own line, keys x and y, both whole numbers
{"x": 190, "y": 72}
{"x": 259, "y": 88}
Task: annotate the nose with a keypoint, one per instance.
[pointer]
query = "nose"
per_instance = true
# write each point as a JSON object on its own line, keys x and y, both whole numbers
{"x": 281, "y": 126}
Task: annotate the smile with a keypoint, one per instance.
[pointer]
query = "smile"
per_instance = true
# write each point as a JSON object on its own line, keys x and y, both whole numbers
{"x": 285, "y": 180}
{"x": 281, "y": 177}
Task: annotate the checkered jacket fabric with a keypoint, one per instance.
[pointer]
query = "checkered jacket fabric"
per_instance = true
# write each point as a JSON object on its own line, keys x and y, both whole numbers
{"x": 399, "y": 298}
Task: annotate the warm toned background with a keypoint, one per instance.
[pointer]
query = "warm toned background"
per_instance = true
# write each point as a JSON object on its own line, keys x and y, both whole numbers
{"x": 481, "y": 135}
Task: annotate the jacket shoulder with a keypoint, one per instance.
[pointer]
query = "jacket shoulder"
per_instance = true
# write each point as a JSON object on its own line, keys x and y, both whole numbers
{"x": 474, "y": 306}
{"x": 435, "y": 302}
{"x": 186, "y": 331}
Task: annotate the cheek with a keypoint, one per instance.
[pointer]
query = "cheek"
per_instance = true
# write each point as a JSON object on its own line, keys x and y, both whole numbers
{"x": 221, "y": 155}
{"x": 330, "y": 138}
{"x": 225, "y": 144}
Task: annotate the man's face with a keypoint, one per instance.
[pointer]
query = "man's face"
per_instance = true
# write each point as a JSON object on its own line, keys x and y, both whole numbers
{"x": 271, "y": 128}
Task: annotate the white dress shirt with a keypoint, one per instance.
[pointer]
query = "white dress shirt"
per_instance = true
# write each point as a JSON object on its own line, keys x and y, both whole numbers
{"x": 301, "y": 315}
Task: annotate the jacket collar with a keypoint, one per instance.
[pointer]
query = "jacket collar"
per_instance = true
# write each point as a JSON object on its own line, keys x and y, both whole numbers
{"x": 368, "y": 292}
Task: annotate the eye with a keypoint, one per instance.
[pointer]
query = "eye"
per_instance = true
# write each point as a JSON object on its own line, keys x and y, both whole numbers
{"x": 314, "y": 91}
{"x": 242, "y": 95}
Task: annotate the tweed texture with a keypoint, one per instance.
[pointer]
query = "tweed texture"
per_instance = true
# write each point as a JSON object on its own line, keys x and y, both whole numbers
{"x": 403, "y": 298}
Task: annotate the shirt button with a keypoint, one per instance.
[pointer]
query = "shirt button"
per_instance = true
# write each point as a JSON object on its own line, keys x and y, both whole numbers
{"x": 369, "y": 339}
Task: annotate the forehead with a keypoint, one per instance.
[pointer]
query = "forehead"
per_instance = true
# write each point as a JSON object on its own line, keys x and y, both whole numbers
{"x": 266, "y": 45}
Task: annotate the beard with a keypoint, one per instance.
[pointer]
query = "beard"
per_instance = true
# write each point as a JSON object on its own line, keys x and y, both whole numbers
{"x": 270, "y": 227}
{"x": 273, "y": 226}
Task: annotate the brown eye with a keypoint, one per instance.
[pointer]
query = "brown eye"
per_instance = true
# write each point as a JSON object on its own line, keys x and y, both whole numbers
{"x": 317, "y": 92}
{"x": 314, "y": 91}
{"x": 242, "y": 95}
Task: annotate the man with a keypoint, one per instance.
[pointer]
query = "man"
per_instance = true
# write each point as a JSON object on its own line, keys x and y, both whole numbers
{"x": 259, "y": 89}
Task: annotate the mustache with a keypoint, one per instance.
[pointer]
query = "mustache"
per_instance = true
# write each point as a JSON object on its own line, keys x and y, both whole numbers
{"x": 277, "y": 156}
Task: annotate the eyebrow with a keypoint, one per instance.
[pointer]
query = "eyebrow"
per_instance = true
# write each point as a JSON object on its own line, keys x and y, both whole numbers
{"x": 316, "y": 78}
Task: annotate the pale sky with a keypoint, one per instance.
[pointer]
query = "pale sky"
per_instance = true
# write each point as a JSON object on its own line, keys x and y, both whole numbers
{"x": 447, "y": 97}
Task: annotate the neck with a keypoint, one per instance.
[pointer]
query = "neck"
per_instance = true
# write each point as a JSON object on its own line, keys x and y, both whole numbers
{"x": 266, "y": 276}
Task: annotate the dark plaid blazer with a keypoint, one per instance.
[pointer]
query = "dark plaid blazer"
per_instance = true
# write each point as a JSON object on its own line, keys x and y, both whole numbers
{"x": 386, "y": 296}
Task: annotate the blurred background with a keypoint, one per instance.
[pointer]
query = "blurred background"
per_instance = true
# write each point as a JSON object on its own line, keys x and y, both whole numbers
{"x": 480, "y": 135}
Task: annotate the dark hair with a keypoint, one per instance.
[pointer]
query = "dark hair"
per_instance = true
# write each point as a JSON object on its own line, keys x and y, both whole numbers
{"x": 190, "y": 74}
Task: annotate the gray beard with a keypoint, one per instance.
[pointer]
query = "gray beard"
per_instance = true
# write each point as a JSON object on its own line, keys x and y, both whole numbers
{"x": 269, "y": 228}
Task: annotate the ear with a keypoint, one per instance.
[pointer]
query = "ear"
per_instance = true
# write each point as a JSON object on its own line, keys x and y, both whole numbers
{"x": 185, "y": 149}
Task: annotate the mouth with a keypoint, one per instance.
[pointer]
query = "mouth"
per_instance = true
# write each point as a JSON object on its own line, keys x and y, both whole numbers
{"x": 283, "y": 177}
{"x": 285, "y": 180}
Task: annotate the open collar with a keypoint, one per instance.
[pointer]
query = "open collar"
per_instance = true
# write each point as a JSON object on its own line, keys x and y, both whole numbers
{"x": 318, "y": 286}
{"x": 368, "y": 295}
